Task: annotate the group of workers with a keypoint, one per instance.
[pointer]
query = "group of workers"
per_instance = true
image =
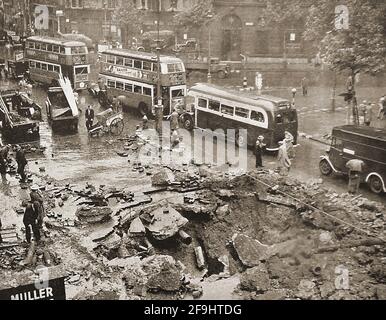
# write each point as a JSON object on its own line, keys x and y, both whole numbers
{"x": 20, "y": 160}
{"x": 285, "y": 153}
{"x": 34, "y": 215}
{"x": 34, "y": 211}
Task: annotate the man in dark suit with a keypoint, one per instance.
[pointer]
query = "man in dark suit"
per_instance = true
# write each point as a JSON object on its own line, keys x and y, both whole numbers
{"x": 21, "y": 163}
{"x": 89, "y": 117}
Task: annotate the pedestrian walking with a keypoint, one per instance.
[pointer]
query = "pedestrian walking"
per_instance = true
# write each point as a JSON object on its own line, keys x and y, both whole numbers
{"x": 355, "y": 169}
{"x": 21, "y": 163}
{"x": 174, "y": 120}
{"x": 89, "y": 117}
{"x": 304, "y": 85}
{"x": 283, "y": 159}
{"x": 175, "y": 139}
{"x": 368, "y": 117}
{"x": 30, "y": 222}
{"x": 289, "y": 142}
{"x": 259, "y": 149}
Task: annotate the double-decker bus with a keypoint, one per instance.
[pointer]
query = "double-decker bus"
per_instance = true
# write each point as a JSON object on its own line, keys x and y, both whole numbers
{"x": 133, "y": 75}
{"x": 49, "y": 57}
{"x": 221, "y": 108}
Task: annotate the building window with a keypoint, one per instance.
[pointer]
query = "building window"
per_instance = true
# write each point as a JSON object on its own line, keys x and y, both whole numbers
{"x": 76, "y": 3}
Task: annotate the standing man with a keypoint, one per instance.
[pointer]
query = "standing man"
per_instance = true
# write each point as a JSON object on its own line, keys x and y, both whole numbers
{"x": 304, "y": 85}
{"x": 368, "y": 117}
{"x": 283, "y": 159}
{"x": 21, "y": 163}
{"x": 259, "y": 148}
{"x": 355, "y": 169}
{"x": 37, "y": 200}
{"x": 174, "y": 120}
{"x": 30, "y": 222}
{"x": 89, "y": 117}
{"x": 4, "y": 162}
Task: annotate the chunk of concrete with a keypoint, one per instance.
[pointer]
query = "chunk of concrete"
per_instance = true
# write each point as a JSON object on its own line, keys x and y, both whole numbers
{"x": 137, "y": 227}
{"x": 166, "y": 223}
{"x": 250, "y": 251}
{"x": 255, "y": 279}
{"x": 94, "y": 215}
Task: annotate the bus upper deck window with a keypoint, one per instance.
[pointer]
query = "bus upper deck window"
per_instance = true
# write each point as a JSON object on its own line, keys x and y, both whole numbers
{"x": 110, "y": 59}
{"x": 227, "y": 110}
{"x": 129, "y": 62}
{"x": 49, "y": 47}
{"x": 32, "y": 64}
{"x": 37, "y": 46}
{"x": 202, "y": 103}
{"x": 30, "y": 45}
{"x": 56, "y": 69}
{"x": 55, "y": 49}
{"x": 138, "y": 89}
{"x": 44, "y": 66}
{"x": 241, "y": 112}
{"x": 50, "y": 67}
{"x": 62, "y": 50}
{"x": 257, "y": 116}
{"x": 137, "y": 64}
{"x": 147, "y": 65}
{"x": 119, "y": 61}
{"x": 214, "y": 105}
{"x": 43, "y": 47}
{"x": 111, "y": 84}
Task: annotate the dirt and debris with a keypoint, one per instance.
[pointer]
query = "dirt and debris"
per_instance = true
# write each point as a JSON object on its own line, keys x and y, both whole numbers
{"x": 190, "y": 226}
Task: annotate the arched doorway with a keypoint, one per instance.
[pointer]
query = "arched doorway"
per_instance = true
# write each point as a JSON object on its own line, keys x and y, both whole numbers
{"x": 231, "y": 37}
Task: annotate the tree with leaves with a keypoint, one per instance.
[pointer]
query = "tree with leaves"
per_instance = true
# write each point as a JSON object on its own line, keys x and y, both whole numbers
{"x": 130, "y": 19}
{"x": 195, "y": 17}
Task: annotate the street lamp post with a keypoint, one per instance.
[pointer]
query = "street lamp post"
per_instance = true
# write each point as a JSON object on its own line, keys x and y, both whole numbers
{"x": 209, "y": 55}
{"x": 158, "y": 108}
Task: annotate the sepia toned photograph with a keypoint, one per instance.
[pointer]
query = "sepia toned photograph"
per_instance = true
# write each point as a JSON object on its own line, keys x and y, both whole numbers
{"x": 193, "y": 151}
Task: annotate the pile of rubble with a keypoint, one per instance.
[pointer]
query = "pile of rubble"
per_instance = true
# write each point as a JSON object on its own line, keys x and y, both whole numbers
{"x": 283, "y": 239}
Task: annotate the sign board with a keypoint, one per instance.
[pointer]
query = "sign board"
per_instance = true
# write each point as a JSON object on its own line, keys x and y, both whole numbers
{"x": 54, "y": 289}
{"x": 292, "y": 36}
{"x": 249, "y": 24}
{"x": 59, "y": 13}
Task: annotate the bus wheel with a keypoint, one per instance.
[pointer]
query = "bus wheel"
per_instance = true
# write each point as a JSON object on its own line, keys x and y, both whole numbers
{"x": 376, "y": 185}
{"x": 143, "y": 109}
{"x": 221, "y": 74}
{"x": 188, "y": 123}
{"x": 325, "y": 167}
